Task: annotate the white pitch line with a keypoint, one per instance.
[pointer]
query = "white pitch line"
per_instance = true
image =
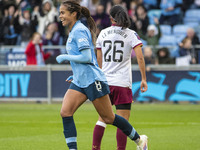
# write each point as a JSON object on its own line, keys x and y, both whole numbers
{"x": 144, "y": 123}
{"x": 168, "y": 123}
{"x": 30, "y": 122}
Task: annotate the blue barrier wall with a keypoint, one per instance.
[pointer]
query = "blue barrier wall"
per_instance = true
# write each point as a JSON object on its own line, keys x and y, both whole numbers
{"x": 168, "y": 85}
{"x": 49, "y": 83}
{"x": 23, "y": 84}
{"x": 59, "y": 85}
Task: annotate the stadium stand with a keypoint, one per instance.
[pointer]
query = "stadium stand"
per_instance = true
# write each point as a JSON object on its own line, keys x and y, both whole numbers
{"x": 191, "y": 15}
{"x": 179, "y": 29}
{"x": 166, "y": 29}
{"x": 172, "y": 35}
{"x": 167, "y": 40}
{"x": 153, "y": 13}
{"x": 191, "y": 24}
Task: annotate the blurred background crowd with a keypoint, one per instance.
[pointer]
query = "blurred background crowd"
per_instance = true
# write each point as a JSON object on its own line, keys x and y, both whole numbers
{"x": 169, "y": 29}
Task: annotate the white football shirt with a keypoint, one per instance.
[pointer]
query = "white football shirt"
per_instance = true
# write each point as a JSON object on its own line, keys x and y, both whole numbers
{"x": 116, "y": 45}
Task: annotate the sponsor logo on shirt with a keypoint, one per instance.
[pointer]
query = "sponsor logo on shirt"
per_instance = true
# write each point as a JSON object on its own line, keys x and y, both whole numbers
{"x": 82, "y": 40}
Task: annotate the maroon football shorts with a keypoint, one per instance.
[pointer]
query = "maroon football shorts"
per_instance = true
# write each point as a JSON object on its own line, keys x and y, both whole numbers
{"x": 120, "y": 95}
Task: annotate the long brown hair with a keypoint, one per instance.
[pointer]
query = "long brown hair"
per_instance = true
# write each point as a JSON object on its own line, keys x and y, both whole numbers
{"x": 74, "y": 6}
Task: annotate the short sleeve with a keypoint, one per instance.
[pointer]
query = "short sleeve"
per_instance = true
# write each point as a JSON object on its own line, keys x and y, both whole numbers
{"x": 136, "y": 40}
{"x": 82, "y": 39}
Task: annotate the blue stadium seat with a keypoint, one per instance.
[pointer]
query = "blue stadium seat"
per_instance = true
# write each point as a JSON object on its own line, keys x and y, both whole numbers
{"x": 180, "y": 29}
{"x": 192, "y": 15}
{"x": 153, "y": 13}
{"x": 186, "y": 20}
{"x": 166, "y": 29}
{"x": 179, "y": 38}
{"x": 151, "y": 2}
{"x": 192, "y": 24}
{"x": 174, "y": 52}
{"x": 167, "y": 40}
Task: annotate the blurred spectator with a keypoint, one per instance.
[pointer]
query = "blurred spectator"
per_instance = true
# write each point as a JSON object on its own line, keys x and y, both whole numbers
{"x": 111, "y": 3}
{"x": 127, "y": 2}
{"x": 150, "y": 4}
{"x": 23, "y": 5}
{"x": 163, "y": 56}
{"x": 104, "y": 2}
{"x": 28, "y": 27}
{"x": 91, "y": 5}
{"x": 187, "y": 4}
{"x": 49, "y": 14}
{"x": 62, "y": 30}
{"x": 187, "y": 50}
{"x": 34, "y": 53}
{"x": 51, "y": 37}
{"x": 132, "y": 8}
{"x": 6, "y": 3}
{"x": 57, "y": 4}
{"x": 132, "y": 14}
{"x": 139, "y": 1}
{"x": 35, "y": 3}
{"x": 192, "y": 35}
{"x": 11, "y": 26}
{"x": 171, "y": 12}
{"x": 142, "y": 20}
{"x": 195, "y": 41}
{"x": 148, "y": 57}
{"x": 196, "y": 4}
{"x": 101, "y": 18}
{"x": 153, "y": 34}
{"x": 1, "y": 10}
{"x": 1, "y": 33}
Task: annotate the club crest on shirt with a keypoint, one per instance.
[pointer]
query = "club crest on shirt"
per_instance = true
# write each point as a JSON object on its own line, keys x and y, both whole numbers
{"x": 69, "y": 40}
{"x": 137, "y": 36}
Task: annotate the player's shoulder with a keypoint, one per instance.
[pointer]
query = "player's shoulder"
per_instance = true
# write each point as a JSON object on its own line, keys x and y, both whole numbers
{"x": 130, "y": 31}
{"x": 80, "y": 27}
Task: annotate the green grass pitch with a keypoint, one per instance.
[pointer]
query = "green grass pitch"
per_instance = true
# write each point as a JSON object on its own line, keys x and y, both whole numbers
{"x": 39, "y": 127}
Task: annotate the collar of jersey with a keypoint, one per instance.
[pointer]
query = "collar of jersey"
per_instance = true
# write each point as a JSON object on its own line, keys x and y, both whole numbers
{"x": 116, "y": 25}
{"x": 75, "y": 24}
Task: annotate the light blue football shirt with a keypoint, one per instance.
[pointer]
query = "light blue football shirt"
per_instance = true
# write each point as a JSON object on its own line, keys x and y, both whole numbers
{"x": 84, "y": 74}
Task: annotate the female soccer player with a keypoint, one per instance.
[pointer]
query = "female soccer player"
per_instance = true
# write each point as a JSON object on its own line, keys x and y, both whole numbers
{"x": 114, "y": 46}
{"x": 89, "y": 82}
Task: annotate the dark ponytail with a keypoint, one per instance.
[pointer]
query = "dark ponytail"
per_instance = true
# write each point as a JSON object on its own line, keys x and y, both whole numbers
{"x": 120, "y": 15}
{"x": 91, "y": 23}
{"x": 74, "y": 6}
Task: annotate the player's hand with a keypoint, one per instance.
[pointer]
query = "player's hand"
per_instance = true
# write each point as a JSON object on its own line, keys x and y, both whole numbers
{"x": 143, "y": 86}
{"x": 60, "y": 58}
{"x": 69, "y": 79}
